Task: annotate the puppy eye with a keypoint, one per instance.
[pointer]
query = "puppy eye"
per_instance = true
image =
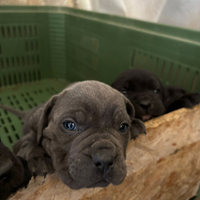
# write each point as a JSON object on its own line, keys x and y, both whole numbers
{"x": 123, "y": 91}
{"x": 69, "y": 126}
{"x": 157, "y": 91}
{"x": 123, "y": 127}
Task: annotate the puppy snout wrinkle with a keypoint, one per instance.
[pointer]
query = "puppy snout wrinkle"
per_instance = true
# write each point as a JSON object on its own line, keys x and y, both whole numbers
{"x": 103, "y": 155}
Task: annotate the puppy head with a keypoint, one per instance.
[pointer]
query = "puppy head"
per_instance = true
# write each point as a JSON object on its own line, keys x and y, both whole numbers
{"x": 144, "y": 90}
{"x": 86, "y": 130}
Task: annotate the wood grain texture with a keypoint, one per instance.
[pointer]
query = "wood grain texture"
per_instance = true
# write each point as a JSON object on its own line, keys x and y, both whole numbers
{"x": 164, "y": 164}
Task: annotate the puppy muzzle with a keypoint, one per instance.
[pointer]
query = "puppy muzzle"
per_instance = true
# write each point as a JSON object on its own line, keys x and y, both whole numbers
{"x": 103, "y": 154}
{"x": 101, "y": 165}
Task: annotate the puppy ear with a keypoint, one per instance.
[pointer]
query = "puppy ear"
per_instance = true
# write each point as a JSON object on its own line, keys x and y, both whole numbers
{"x": 119, "y": 84}
{"x": 137, "y": 126}
{"x": 39, "y": 119}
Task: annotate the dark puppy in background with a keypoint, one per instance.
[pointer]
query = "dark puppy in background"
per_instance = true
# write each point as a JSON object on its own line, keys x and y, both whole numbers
{"x": 83, "y": 132}
{"x": 149, "y": 97}
{"x": 144, "y": 90}
{"x": 171, "y": 94}
{"x": 186, "y": 101}
{"x": 14, "y": 172}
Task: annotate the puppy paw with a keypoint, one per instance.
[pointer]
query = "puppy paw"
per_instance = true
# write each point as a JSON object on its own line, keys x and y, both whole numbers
{"x": 39, "y": 162}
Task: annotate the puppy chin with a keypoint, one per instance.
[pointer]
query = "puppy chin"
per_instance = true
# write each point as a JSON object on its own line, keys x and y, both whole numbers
{"x": 146, "y": 117}
{"x": 80, "y": 176}
{"x": 105, "y": 181}
{"x": 88, "y": 175}
{"x": 68, "y": 180}
{"x": 101, "y": 183}
{"x": 78, "y": 184}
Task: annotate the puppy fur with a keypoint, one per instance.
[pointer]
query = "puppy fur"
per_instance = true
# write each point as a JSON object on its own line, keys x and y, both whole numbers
{"x": 185, "y": 101}
{"x": 14, "y": 172}
{"x": 94, "y": 153}
{"x": 144, "y": 90}
{"x": 149, "y": 97}
{"x": 171, "y": 94}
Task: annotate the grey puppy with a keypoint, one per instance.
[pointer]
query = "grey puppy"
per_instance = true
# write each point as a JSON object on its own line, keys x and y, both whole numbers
{"x": 84, "y": 132}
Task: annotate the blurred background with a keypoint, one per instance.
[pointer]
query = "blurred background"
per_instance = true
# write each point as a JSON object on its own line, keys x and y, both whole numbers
{"x": 182, "y": 13}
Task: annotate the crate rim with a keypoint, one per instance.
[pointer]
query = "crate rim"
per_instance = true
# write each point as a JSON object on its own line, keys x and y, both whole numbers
{"x": 155, "y": 28}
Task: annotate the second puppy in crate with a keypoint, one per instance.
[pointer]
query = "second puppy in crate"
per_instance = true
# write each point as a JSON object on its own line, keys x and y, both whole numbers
{"x": 149, "y": 97}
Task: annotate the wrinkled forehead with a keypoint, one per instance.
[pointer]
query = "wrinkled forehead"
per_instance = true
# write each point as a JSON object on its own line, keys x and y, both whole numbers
{"x": 90, "y": 96}
{"x": 94, "y": 91}
{"x": 145, "y": 80}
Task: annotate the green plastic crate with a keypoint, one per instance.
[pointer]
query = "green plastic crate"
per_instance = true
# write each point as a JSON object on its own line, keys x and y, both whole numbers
{"x": 43, "y": 49}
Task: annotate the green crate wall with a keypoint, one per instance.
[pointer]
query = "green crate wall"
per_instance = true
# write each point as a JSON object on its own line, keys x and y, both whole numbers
{"x": 43, "y": 49}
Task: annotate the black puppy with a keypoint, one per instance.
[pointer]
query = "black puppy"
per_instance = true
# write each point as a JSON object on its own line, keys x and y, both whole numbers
{"x": 83, "y": 132}
{"x": 185, "y": 101}
{"x": 144, "y": 90}
{"x": 172, "y": 94}
{"x": 14, "y": 172}
{"x": 149, "y": 97}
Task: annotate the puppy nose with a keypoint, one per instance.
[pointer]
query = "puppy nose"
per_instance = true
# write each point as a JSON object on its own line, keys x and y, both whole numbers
{"x": 145, "y": 103}
{"x": 103, "y": 154}
{"x": 103, "y": 160}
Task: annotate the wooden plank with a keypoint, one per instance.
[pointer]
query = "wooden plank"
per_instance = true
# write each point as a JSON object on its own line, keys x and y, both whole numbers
{"x": 164, "y": 164}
